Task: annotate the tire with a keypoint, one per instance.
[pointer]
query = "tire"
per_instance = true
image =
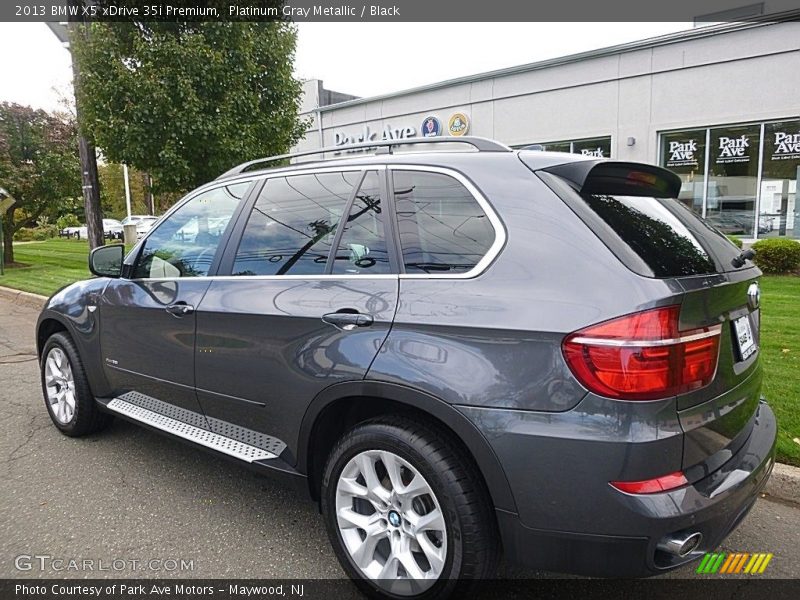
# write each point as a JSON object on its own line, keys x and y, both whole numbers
{"x": 83, "y": 416}
{"x": 463, "y": 546}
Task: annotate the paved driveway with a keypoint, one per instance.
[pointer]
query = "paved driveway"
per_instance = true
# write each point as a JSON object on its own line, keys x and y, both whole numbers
{"x": 128, "y": 495}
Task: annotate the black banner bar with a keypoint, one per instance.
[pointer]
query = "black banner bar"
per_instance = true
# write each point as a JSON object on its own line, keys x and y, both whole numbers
{"x": 700, "y": 11}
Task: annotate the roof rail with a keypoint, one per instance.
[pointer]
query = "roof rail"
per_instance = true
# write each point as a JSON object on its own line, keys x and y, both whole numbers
{"x": 479, "y": 143}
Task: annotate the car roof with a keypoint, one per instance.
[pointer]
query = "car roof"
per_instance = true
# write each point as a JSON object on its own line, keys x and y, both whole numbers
{"x": 534, "y": 158}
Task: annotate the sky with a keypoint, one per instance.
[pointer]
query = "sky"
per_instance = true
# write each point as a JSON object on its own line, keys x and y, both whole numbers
{"x": 364, "y": 59}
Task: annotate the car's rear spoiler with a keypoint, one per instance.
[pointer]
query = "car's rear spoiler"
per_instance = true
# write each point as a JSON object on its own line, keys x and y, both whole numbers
{"x": 615, "y": 178}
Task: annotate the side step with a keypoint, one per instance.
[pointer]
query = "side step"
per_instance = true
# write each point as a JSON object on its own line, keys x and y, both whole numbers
{"x": 203, "y": 437}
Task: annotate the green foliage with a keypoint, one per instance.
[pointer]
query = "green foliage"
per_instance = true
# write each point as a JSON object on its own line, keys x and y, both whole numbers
{"x": 39, "y": 165}
{"x": 68, "y": 220}
{"x": 735, "y": 241}
{"x": 36, "y": 234}
{"x": 186, "y": 101}
{"x": 777, "y": 255}
{"x": 24, "y": 234}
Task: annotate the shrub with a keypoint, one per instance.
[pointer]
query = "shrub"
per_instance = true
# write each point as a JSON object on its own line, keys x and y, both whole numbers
{"x": 24, "y": 235}
{"x": 67, "y": 221}
{"x": 735, "y": 241}
{"x": 777, "y": 255}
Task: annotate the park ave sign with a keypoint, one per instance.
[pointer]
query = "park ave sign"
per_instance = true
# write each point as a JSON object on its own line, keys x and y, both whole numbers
{"x": 340, "y": 138}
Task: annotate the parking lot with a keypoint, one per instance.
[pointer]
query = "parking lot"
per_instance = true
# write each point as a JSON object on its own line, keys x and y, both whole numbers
{"x": 159, "y": 508}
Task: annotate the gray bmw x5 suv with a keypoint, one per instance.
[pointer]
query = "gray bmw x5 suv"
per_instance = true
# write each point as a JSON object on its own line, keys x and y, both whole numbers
{"x": 457, "y": 353}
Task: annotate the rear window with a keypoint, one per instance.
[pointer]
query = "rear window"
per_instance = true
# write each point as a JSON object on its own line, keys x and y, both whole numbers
{"x": 632, "y": 208}
{"x": 650, "y": 227}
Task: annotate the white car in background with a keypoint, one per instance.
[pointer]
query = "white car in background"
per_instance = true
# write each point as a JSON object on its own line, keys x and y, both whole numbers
{"x": 143, "y": 225}
{"x": 112, "y": 229}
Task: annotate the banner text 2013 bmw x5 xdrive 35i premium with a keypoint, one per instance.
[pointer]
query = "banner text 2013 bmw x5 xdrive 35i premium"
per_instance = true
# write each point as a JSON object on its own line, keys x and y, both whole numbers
{"x": 458, "y": 354}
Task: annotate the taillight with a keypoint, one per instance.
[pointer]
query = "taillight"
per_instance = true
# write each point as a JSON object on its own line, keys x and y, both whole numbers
{"x": 664, "y": 483}
{"x": 643, "y": 356}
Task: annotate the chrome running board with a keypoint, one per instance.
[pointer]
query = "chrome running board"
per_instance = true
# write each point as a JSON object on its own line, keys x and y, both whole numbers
{"x": 203, "y": 437}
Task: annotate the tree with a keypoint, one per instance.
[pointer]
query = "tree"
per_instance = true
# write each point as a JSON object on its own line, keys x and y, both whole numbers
{"x": 38, "y": 166}
{"x": 186, "y": 101}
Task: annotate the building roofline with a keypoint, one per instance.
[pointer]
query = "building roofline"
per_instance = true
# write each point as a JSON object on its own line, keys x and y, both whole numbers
{"x": 662, "y": 40}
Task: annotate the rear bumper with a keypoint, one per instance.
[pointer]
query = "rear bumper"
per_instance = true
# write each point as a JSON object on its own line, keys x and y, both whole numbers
{"x": 713, "y": 506}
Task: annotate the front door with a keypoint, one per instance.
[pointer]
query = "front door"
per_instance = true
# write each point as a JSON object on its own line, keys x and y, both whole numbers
{"x": 294, "y": 317}
{"x": 148, "y": 320}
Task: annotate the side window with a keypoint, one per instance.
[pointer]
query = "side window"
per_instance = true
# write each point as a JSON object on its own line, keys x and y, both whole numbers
{"x": 442, "y": 227}
{"x": 293, "y": 223}
{"x": 184, "y": 244}
{"x": 362, "y": 248}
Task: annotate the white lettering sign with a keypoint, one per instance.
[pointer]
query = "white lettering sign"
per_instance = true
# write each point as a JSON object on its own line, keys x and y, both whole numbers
{"x": 341, "y": 138}
{"x": 682, "y": 153}
{"x": 787, "y": 145}
{"x": 733, "y": 149}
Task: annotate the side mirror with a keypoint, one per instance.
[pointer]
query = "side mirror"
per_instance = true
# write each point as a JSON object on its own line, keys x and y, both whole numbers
{"x": 106, "y": 261}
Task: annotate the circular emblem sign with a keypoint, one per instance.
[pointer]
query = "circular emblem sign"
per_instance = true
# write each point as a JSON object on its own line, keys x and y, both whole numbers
{"x": 458, "y": 124}
{"x": 431, "y": 127}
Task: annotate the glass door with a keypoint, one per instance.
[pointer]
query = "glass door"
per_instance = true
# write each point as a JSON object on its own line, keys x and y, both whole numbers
{"x": 778, "y": 207}
{"x": 733, "y": 179}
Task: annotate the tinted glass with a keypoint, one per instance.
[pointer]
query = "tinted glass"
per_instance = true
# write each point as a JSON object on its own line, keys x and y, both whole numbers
{"x": 598, "y": 147}
{"x": 293, "y": 223}
{"x": 362, "y": 248}
{"x": 778, "y": 209}
{"x": 732, "y": 180}
{"x": 684, "y": 153}
{"x": 185, "y": 243}
{"x": 650, "y": 227}
{"x": 442, "y": 226}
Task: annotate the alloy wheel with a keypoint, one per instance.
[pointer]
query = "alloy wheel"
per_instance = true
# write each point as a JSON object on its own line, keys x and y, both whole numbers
{"x": 391, "y": 522}
{"x": 60, "y": 385}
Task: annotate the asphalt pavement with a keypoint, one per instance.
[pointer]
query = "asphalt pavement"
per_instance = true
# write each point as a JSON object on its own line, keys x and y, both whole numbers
{"x": 140, "y": 505}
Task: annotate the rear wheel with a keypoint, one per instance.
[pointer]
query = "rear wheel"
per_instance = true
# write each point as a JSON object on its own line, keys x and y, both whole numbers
{"x": 408, "y": 518}
{"x": 66, "y": 389}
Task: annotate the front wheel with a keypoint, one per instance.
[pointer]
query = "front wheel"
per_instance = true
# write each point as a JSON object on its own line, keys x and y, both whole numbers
{"x": 407, "y": 516}
{"x": 66, "y": 389}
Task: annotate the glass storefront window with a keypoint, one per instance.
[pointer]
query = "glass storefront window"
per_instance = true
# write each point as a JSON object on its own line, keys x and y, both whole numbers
{"x": 684, "y": 152}
{"x": 597, "y": 147}
{"x": 778, "y": 206}
{"x": 558, "y": 147}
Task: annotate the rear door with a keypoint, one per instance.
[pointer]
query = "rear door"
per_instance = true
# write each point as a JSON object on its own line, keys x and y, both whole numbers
{"x": 633, "y": 209}
{"x": 309, "y": 297}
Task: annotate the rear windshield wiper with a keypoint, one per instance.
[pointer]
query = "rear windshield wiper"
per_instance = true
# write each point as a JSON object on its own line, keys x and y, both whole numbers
{"x": 744, "y": 256}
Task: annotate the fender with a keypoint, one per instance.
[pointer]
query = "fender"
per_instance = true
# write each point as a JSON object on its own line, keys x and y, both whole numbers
{"x": 468, "y": 433}
{"x": 74, "y": 308}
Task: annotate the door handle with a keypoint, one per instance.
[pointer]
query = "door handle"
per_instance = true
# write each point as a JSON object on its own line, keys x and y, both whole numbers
{"x": 180, "y": 309}
{"x": 347, "y": 320}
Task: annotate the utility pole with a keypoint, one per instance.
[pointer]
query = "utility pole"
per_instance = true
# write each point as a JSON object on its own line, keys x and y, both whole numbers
{"x": 88, "y": 155}
{"x": 86, "y": 149}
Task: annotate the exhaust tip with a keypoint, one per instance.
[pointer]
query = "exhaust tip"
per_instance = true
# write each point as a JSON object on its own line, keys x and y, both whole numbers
{"x": 680, "y": 544}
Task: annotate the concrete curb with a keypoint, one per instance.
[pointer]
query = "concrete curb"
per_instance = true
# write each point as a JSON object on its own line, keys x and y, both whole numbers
{"x": 22, "y": 298}
{"x": 784, "y": 484}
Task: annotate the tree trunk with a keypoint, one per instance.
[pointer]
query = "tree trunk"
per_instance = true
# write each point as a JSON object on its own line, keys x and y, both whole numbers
{"x": 91, "y": 183}
{"x": 8, "y": 236}
{"x": 147, "y": 185}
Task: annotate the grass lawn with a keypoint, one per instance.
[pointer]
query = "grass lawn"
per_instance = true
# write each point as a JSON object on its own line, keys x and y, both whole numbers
{"x": 50, "y": 265}
{"x": 780, "y": 353}
{"x": 55, "y": 263}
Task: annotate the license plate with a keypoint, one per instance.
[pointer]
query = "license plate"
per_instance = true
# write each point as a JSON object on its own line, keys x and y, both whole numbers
{"x": 744, "y": 336}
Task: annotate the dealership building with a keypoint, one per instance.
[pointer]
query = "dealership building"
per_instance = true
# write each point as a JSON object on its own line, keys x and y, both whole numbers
{"x": 718, "y": 105}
